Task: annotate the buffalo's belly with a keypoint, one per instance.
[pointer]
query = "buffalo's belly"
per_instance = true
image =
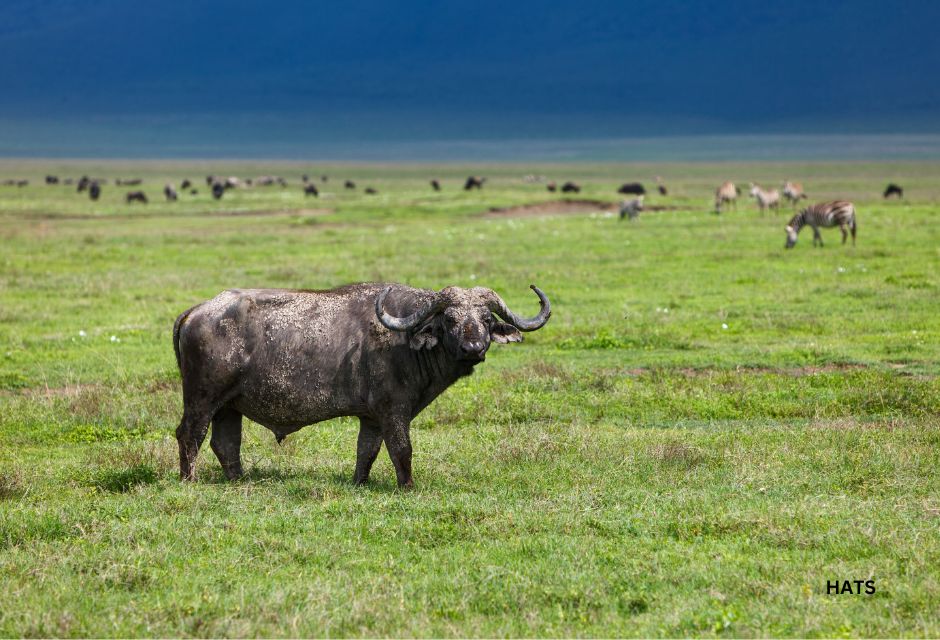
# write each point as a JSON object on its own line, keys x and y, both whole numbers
{"x": 289, "y": 412}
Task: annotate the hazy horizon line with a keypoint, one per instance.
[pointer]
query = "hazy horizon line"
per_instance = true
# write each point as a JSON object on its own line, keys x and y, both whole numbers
{"x": 705, "y": 147}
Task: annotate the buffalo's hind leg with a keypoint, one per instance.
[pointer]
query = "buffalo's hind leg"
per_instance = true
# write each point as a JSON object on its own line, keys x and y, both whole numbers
{"x": 367, "y": 449}
{"x": 190, "y": 435}
{"x": 226, "y": 441}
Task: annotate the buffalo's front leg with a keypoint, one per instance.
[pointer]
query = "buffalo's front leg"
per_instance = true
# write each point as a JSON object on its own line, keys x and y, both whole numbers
{"x": 398, "y": 441}
{"x": 370, "y": 441}
{"x": 226, "y": 441}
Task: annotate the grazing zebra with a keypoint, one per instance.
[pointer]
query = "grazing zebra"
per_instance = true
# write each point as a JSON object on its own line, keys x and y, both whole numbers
{"x": 793, "y": 191}
{"x": 631, "y": 208}
{"x": 838, "y": 213}
{"x": 726, "y": 193}
{"x": 765, "y": 199}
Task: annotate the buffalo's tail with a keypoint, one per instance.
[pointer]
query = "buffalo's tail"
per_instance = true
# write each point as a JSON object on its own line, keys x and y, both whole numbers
{"x": 177, "y": 326}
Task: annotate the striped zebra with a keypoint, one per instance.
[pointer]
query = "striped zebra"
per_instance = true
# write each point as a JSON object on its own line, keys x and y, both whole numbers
{"x": 838, "y": 213}
{"x": 726, "y": 193}
{"x": 765, "y": 199}
{"x": 793, "y": 192}
{"x": 631, "y": 208}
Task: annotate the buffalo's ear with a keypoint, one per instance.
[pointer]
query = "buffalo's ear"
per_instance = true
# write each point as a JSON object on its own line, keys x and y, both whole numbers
{"x": 503, "y": 332}
{"x": 424, "y": 338}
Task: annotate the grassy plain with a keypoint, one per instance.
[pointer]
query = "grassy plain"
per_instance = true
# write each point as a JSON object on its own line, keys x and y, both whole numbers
{"x": 708, "y": 430}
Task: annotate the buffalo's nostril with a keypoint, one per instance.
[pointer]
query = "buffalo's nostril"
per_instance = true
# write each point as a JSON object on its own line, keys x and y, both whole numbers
{"x": 475, "y": 349}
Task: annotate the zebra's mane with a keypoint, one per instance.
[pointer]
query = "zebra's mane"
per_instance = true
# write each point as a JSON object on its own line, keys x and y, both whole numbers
{"x": 798, "y": 220}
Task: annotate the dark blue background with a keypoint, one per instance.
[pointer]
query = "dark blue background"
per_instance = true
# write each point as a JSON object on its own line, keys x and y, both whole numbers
{"x": 420, "y": 69}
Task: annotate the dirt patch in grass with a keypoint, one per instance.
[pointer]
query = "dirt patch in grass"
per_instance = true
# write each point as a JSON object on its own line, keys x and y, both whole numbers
{"x": 67, "y": 391}
{"x": 796, "y": 372}
{"x": 562, "y": 207}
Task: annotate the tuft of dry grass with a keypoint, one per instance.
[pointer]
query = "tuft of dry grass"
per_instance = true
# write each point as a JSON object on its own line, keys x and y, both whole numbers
{"x": 12, "y": 484}
{"x": 679, "y": 454}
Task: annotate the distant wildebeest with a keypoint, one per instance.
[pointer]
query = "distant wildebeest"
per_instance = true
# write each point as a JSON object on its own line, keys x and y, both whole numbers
{"x": 22, "y": 183}
{"x": 551, "y": 186}
{"x": 838, "y": 213}
{"x": 94, "y": 190}
{"x": 660, "y": 186}
{"x": 290, "y": 358}
{"x": 83, "y": 183}
{"x": 311, "y": 190}
{"x": 218, "y": 190}
{"x": 765, "y": 199}
{"x": 210, "y": 180}
{"x": 435, "y": 185}
{"x": 571, "y": 187}
{"x": 893, "y": 190}
{"x": 136, "y": 196}
{"x": 793, "y": 192}
{"x": 169, "y": 192}
{"x": 632, "y": 188}
{"x": 727, "y": 193}
{"x": 133, "y": 182}
{"x": 305, "y": 178}
{"x": 194, "y": 192}
{"x": 52, "y": 179}
{"x": 185, "y": 184}
{"x": 324, "y": 178}
{"x": 473, "y": 182}
{"x": 370, "y": 191}
{"x": 631, "y": 208}
{"x": 349, "y": 184}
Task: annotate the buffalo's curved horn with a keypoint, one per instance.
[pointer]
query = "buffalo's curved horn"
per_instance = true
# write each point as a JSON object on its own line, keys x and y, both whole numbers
{"x": 524, "y": 324}
{"x": 409, "y": 322}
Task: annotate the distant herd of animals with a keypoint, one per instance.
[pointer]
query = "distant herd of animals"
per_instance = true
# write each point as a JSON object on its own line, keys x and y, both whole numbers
{"x": 838, "y": 213}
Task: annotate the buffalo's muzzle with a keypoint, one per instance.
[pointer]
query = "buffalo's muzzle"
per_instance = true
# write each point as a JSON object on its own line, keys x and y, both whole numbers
{"x": 473, "y": 351}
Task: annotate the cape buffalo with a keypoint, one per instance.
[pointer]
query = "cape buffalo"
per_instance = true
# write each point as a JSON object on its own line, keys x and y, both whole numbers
{"x": 185, "y": 184}
{"x": 218, "y": 190}
{"x": 893, "y": 190}
{"x": 286, "y": 359}
{"x": 349, "y": 184}
{"x": 370, "y": 191}
{"x": 52, "y": 179}
{"x": 94, "y": 191}
{"x": 571, "y": 187}
{"x": 136, "y": 196}
{"x": 473, "y": 182}
{"x": 311, "y": 190}
{"x": 435, "y": 185}
{"x": 632, "y": 188}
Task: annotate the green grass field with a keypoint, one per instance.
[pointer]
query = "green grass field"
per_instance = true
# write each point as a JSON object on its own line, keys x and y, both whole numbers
{"x": 708, "y": 430}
